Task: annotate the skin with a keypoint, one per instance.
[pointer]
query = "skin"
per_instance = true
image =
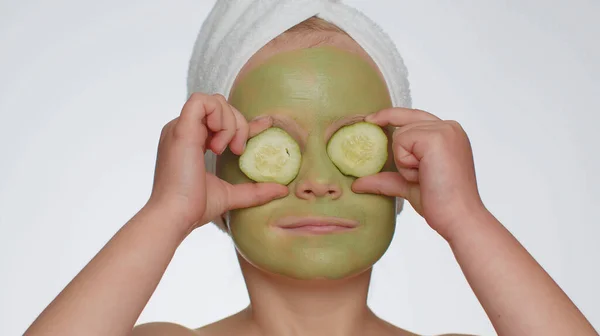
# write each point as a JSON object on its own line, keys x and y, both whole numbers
{"x": 311, "y": 93}
{"x": 434, "y": 173}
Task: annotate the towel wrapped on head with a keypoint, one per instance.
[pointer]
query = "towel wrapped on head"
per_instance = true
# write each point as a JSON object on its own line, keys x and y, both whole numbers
{"x": 236, "y": 29}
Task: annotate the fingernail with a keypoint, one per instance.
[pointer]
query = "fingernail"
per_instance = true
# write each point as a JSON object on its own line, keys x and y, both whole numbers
{"x": 261, "y": 118}
{"x": 355, "y": 190}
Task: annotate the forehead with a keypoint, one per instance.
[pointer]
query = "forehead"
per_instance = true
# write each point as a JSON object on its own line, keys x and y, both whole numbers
{"x": 321, "y": 83}
{"x": 285, "y": 43}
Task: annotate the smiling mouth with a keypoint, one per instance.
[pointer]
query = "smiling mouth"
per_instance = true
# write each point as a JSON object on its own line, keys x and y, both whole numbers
{"x": 315, "y": 225}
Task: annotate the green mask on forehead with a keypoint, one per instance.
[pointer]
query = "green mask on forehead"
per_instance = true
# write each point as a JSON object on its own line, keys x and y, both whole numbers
{"x": 311, "y": 93}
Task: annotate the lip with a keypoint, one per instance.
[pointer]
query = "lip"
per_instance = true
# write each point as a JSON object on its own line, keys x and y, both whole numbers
{"x": 315, "y": 225}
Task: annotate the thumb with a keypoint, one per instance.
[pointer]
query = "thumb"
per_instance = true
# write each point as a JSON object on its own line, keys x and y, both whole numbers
{"x": 386, "y": 183}
{"x": 390, "y": 184}
{"x": 248, "y": 195}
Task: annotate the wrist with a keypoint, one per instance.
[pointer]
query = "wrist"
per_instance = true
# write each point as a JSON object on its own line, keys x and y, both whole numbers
{"x": 166, "y": 218}
{"x": 470, "y": 224}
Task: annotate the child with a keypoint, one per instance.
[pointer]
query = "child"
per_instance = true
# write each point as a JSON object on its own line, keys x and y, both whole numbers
{"x": 307, "y": 248}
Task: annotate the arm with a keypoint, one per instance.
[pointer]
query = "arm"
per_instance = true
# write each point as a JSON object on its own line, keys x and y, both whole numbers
{"x": 436, "y": 174}
{"x": 519, "y": 297}
{"x": 162, "y": 329}
{"x": 108, "y": 295}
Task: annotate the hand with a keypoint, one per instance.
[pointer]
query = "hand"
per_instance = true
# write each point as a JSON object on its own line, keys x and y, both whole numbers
{"x": 181, "y": 183}
{"x": 435, "y": 166}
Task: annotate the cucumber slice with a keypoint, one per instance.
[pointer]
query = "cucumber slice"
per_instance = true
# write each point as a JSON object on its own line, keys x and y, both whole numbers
{"x": 359, "y": 149}
{"x": 271, "y": 156}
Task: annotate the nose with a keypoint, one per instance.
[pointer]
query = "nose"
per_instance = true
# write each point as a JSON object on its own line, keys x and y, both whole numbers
{"x": 318, "y": 177}
{"x": 313, "y": 188}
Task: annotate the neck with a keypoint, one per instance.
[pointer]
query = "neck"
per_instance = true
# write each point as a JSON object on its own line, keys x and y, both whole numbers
{"x": 284, "y": 306}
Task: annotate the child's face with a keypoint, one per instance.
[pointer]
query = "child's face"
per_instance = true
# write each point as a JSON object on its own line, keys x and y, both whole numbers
{"x": 311, "y": 93}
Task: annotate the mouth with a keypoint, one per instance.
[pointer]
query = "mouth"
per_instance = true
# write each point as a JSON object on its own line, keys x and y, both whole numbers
{"x": 315, "y": 225}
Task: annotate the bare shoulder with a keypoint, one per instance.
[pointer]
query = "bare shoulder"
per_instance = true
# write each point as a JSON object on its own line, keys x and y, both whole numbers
{"x": 389, "y": 329}
{"x": 232, "y": 325}
{"x": 410, "y": 334}
{"x": 162, "y": 329}
{"x": 402, "y": 332}
{"x": 237, "y": 324}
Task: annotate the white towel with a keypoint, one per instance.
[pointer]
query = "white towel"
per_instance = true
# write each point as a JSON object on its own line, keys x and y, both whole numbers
{"x": 236, "y": 29}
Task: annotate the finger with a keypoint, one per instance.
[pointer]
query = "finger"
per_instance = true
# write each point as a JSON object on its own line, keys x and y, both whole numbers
{"x": 409, "y": 174}
{"x": 248, "y": 195}
{"x": 403, "y": 156}
{"x": 238, "y": 143}
{"x": 385, "y": 183}
{"x": 214, "y": 114}
{"x": 410, "y": 147}
{"x": 166, "y": 130}
{"x": 228, "y": 125}
{"x": 390, "y": 184}
{"x": 429, "y": 124}
{"x": 258, "y": 125}
{"x": 191, "y": 125}
{"x": 399, "y": 116}
{"x": 442, "y": 125}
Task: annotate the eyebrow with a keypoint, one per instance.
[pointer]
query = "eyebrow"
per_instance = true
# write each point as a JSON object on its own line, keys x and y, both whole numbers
{"x": 301, "y": 135}
{"x": 341, "y": 122}
{"x": 291, "y": 126}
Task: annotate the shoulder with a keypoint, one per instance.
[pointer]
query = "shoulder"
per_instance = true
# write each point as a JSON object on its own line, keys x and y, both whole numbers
{"x": 162, "y": 329}
{"x": 393, "y": 330}
{"x": 232, "y": 325}
{"x": 236, "y": 324}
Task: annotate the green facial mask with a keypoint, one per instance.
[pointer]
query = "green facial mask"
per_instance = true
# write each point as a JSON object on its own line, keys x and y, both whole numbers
{"x": 311, "y": 93}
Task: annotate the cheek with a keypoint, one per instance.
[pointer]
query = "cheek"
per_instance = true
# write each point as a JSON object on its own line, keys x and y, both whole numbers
{"x": 312, "y": 257}
{"x": 257, "y": 216}
{"x": 377, "y": 209}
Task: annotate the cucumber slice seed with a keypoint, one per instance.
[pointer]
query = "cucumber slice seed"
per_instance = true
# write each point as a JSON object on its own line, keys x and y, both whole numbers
{"x": 359, "y": 149}
{"x": 271, "y": 156}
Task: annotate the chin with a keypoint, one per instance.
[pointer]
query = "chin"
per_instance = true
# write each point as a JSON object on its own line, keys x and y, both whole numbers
{"x": 306, "y": 255}
{"x": 311, "y": 269}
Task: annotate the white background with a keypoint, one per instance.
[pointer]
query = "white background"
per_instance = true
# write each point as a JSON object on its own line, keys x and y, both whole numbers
{"x": 86, "y": 86}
